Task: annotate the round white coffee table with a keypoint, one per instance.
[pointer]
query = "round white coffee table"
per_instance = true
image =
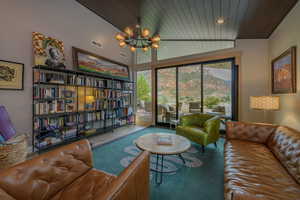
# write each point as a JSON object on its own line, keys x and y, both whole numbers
{"x": 149, "y": 143}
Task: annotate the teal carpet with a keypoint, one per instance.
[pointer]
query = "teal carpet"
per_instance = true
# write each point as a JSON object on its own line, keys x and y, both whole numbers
{"x": 202, "y": 178}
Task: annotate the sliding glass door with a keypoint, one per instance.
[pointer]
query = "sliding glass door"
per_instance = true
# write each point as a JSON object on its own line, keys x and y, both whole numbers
{"x": 166, "y": 95}
{"x": 209, "y": 87}
{"x": 144, "y": 98}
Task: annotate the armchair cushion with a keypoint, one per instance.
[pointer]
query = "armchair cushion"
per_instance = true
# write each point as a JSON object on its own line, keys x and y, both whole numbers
{"x": 194, "y": 133}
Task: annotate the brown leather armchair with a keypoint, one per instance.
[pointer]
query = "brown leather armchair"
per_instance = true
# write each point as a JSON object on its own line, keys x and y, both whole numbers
{"x": 67, "y": 173}
{"x": 262, "y": 162}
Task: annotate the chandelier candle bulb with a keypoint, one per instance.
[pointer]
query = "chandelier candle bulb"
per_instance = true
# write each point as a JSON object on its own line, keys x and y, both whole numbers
{"x": 128, "y": 31}
{"x": 132, "y": 49}
{"x": 120, "y": 37}
{"x": 145, "y": 32}
{"x": 155, "y": 38}
{"x": 122, "y": 44}
{"x": 155, "y": 45}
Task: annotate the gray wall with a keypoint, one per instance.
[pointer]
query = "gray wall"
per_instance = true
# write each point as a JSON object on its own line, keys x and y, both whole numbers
{"x": 286, "y": 35}
{"x": 66, "y": 20}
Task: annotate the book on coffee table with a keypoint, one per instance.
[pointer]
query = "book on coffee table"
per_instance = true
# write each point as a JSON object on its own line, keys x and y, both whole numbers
{"x": 164, "y": 140}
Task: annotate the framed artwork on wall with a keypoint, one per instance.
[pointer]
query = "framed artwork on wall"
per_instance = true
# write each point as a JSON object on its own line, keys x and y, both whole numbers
{"x": 89, "y": 62}
{"x": 11, "y": 75}
{"x": 284, "y": 72}
{"x": 48, "y": 51}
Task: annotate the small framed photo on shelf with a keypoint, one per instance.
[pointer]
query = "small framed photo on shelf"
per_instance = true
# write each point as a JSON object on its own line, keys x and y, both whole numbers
{"x": 284, "y": 72}
{"x": 11, "y": 75}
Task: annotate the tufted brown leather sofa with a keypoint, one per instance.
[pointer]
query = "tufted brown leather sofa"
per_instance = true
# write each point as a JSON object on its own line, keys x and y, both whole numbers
{"x": 262, "y": 162}
{"x": 67, "y": 173}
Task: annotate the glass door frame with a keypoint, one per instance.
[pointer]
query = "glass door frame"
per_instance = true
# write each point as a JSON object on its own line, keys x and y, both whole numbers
{"x": 234, "y": 87}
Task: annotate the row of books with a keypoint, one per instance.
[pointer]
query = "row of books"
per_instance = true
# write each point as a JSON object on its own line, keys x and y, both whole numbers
{"x": 95, "y": 116}
{"x": 54, "y": 106}
{"x": 107, "y": 93}
{"x": 55, "y": 137}
{"x": 48, "y": 77}
{"x": 69, "y": 92}
{"x": 57, "y": 123}
{"x": 53, "y": 123}
{"x": 52, "y": 92}
{"x": 69, "y": 105}
{"x": 95, "y": 82}
{"x": 107, "y": 104}
{"x": 128, "y": 86}
{"x": 45, "y": 76}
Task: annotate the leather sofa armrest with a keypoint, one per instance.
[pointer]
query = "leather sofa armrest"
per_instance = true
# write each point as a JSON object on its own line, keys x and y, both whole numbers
{"x": 253, "y": 132}
{"x": 133, "y": 182}
{"x": 5, "y": 196}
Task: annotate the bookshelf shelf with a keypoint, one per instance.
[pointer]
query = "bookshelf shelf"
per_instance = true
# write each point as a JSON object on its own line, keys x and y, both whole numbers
{"x": 69, "y": 105}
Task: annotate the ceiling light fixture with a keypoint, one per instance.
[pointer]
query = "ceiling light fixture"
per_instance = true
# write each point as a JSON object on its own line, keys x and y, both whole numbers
{"x": 220, "y": 20}
{"x": 137, "y": 37}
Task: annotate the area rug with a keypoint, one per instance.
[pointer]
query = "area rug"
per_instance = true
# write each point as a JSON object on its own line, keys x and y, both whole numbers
{"x": 201, "y": 178}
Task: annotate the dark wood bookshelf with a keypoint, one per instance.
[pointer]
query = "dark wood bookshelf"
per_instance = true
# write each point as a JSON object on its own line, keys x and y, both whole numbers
{"x": 61, "y": 113}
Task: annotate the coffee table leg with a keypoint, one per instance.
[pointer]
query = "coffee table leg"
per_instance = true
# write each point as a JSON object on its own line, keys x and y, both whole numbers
{"x": 180, "y": 156}
{"x": 157, "y": 171}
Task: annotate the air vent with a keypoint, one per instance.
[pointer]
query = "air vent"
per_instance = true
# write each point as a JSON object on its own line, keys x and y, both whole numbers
{"x": 124, "y": 55}
{"x": 97, "y": 44}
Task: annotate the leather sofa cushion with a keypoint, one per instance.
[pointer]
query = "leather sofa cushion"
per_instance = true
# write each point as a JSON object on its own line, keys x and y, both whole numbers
{"x": 5, "y": 196}
{"x": 285, "y": 144}
{"x": 90, "y": 186}
{"x": 254, "y": 132}
{"x": 43, "y": 176}
{"x": 251, "y": 170}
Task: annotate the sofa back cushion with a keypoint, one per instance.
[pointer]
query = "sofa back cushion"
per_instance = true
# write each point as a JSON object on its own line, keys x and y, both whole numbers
{"x": 253, "y": 132}
{"x": 285, "y": 144}
{"x": 43, "y": 176}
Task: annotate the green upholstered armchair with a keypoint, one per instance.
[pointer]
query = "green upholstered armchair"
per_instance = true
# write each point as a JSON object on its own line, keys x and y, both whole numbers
{"x": 200, "y": 128}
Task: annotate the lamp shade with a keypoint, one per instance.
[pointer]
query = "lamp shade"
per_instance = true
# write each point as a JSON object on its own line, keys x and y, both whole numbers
{"x": 264, "y": 102}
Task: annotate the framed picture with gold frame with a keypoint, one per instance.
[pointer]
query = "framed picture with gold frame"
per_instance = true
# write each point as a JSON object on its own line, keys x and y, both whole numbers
{"x": 11, "y": 75}
{"x": 284, "y": 72}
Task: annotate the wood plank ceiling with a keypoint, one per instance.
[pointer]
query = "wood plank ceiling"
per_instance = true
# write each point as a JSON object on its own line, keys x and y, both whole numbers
{"x": 196, "y": 19}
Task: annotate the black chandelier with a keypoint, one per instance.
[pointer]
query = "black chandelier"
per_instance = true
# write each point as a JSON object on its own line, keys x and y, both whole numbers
{"x": 137, "y": 37}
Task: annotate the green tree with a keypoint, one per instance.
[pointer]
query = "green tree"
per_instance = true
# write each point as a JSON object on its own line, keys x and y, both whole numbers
{"x": 211, "y": 101}
{"x": 143, "y": 88}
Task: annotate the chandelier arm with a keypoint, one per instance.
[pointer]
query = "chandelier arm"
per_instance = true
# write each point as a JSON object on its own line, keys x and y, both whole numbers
{"x": 137, "y": 40}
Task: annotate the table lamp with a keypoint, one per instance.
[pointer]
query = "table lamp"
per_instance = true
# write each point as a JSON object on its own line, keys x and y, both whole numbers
{"x": 264, "y": 103}
{"x": 89, "y": 99}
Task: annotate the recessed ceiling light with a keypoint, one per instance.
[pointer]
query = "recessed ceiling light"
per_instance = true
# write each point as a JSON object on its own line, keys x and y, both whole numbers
{"x": 220, "y": 20}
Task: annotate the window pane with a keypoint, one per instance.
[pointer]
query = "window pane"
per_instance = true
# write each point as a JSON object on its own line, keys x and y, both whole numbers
{"x": 189, "y": 89}
{"x": 143, "y": 57}
{"x": 166, "y": 95}
{"x": 217, "y": 88}
{"x": 144, "y": 98}
{"x": 172, "y": 49}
